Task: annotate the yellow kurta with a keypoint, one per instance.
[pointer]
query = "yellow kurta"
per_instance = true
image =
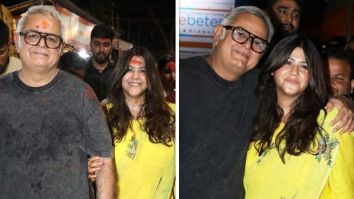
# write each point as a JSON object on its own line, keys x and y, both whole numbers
{"x": 145, "y": 170}
{"x": 327, "y": 175}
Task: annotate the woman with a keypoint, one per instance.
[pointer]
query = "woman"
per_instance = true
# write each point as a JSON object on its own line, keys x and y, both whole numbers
{"x": 294, "y": 152}
{"x": 143, "y": 129}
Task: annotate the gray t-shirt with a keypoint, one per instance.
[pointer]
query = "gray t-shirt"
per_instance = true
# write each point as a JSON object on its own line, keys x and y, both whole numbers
{"x": 46, "y": 134}
{"x": 215, "y": 127}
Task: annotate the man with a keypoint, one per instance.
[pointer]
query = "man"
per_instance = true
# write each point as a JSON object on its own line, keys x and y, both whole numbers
{"x": 217, "y": 105}
{"x": 50, "y": 121}
{"x": 99, "y": 67}
{"x": 7, "y": 64}
{"x": 168, "y": 77}
{"x": 285, "y": 15}
{"x": 340, "y": 73}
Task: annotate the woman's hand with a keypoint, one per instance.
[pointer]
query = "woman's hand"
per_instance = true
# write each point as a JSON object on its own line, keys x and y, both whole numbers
{"x": 94, "y": 165}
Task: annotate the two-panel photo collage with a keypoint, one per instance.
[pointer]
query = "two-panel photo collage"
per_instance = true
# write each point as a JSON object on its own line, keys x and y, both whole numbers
{"x": 184, "y": 99}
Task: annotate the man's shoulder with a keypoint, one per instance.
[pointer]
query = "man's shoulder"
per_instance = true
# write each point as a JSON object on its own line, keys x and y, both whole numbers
{"x": 194, "y": 64}
{"x": 5, "y": 80}
{"x": 110, "y": 65}
{"x": 252, "y": 75}
{"x": 197, "y": 60}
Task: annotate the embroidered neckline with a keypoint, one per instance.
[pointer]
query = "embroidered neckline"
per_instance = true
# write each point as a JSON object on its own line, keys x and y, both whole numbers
{"x": 132, "y": 147}
{"x": 326, "y": 146}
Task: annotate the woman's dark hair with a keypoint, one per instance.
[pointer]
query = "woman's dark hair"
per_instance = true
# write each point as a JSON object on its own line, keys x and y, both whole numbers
{"x": 299, "y": 133}
{"x": 159, "y": 118}
{"x": 72, "y": 63}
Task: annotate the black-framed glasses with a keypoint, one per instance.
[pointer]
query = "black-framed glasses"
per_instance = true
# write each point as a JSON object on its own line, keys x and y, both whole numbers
{"x": 34, "y": 37}
{"x": 241, "y": 36}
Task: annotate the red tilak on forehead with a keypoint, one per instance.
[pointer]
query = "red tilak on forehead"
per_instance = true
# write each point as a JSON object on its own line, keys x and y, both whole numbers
{"x": 135, "y": 61}
{"x": 44, "y": 24}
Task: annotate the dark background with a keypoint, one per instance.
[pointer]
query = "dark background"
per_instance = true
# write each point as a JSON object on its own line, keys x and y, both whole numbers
{"x": 149, "y": 23}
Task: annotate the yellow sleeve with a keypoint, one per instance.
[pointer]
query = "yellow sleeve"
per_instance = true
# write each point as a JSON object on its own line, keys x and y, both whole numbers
{"x": 166, "y": 185}
{"x": 341, "y": 179}
{"x": 340, "y": 183}
{"x": 172, "y": 106}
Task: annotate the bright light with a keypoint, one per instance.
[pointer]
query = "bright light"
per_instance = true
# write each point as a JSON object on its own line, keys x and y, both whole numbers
{"x": 83, "y": 53}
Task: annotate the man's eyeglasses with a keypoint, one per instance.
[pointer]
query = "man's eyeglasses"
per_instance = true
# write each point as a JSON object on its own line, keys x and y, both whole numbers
{"x": 34, "y": 37}
{"x": 241, "y": 36}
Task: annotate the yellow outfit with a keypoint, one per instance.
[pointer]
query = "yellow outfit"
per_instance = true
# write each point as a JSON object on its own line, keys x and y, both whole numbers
{"x": 145, "y": 170}
{"x": 329, "y": 174}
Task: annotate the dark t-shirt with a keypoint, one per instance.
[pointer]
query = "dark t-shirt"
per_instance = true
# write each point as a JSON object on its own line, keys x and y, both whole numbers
{"x": 98, "y": 81}
{"x": 45, "y": 137}
{"x": 215, "y": 128}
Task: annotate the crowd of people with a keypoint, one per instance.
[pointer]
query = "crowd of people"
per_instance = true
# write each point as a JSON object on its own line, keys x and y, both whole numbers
{"x": 264, "y": 115}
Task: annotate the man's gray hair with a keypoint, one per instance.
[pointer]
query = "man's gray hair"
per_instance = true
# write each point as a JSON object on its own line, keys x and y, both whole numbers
{"x": 230, "y": 17}
{"x": 43, "y": 10}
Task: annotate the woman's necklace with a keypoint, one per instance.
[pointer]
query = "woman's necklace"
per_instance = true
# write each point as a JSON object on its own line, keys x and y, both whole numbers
{"x": 132, "y": 147}
{"x": 133, "y": 143}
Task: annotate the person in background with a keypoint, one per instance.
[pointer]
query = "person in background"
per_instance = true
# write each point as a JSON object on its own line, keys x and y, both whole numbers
{"x": 168, "y": 75}
{"x": 50, "y": 120}
{"x": 217, "y": 104}
{"x": 115, "y": 51}
{"x": 71, "y": 62}
{"x": 340, "y": 73}
{"x": 286, "y": 14}
{"x": 99, "y": 68}
{"x": 8, "y": 63}
{"x": 143, "y": 129}
{"x": 294, "y": 151}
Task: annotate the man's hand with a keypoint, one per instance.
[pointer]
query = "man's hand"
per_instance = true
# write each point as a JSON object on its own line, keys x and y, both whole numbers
{"x": 344, "y": 119}
{"x": 106, "y": 180}
{"x": 94, "y": 165}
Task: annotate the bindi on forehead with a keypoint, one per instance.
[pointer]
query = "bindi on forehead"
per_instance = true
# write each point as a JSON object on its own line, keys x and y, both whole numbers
{"x": 44, "y": 24}
{"x": 136, "y": 60}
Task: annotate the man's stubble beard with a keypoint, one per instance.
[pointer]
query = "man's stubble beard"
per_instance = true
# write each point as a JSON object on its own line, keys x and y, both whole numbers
{"x": 101, "y": 59}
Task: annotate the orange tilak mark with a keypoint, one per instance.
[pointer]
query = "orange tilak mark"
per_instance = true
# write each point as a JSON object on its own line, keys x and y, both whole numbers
{"x": 45, "y": 24}
{"x": 135, "y": 61}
